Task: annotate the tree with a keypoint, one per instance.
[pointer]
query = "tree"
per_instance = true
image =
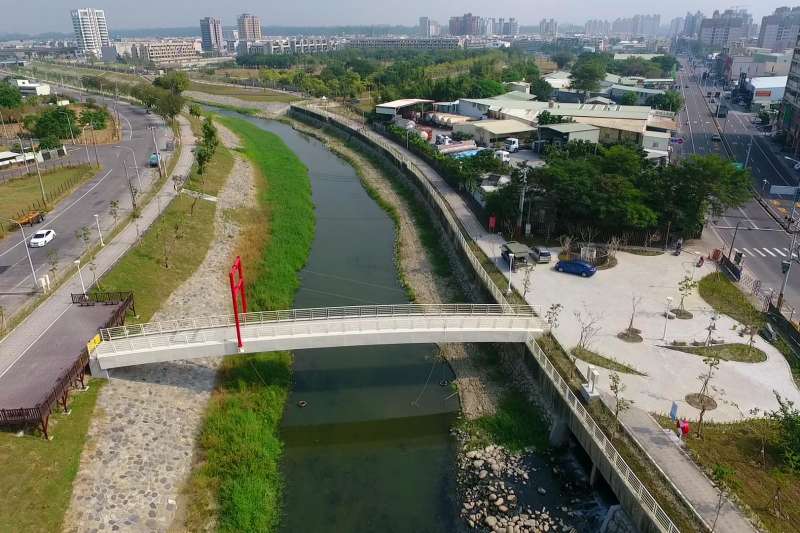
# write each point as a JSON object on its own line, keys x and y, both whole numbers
{"x": 97, "y": 117}
{"x": 175, "y": 81}
{"x": 685, "y": 287}
{"x": 621, "y": 404}
{"x": 545, "y": 117}
{"x": 669, "y": 101}
{"x": 563, "y": 58}
{"x": 195, "y": 110}
{"x": 631, "y": 333}
{"x": 84, "y": 235}
{"x": 761, "y": 419}
{"x": 552, "y": 314}
{"x": 52, "y": 261}
{"x": 541, "y": 89}
{"x": 587, "y": 72}
{"x": 168, "y": 105}
{"x": 54, "y": 123}
{"x": 629, "y": 98}
{"x": 724, "y": 478}
{"x": 787, "y": 416}
{"x": 704, "y": 397}
{"x": 526, "y": 282}
{"x": 10, "y": 96}
{"x": 589, "y": 327}
{"x": 147, "y": 94}
{"x": 113, "y": 210}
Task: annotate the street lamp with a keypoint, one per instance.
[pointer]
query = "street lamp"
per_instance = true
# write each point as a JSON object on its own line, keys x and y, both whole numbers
{"x": 27, "y": 251}
{"x": 510, "y": 271}
{"x": 666, "y": 317}
{"x": 97, "y": 221}
{"x": 80, "y": 275}
{"x": 136, "y": 166}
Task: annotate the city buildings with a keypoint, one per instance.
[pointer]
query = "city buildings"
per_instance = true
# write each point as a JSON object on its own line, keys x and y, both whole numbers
{"x": 548, "y": 27}
{"x": 691, "y": 24}
{"x": 779, "y": 31}
{"x": 790, "y": 113}
{"x": 211, "y": 34}
{"x": 412, "y": 43}
{"x": 249, "y": 27}
{"x": 638, "y": 25}
{"x": 725, "y": 29}
{"x": 293, "y": 45}
{"x": 752, "y": 62}
{"x": 91, "y": 30}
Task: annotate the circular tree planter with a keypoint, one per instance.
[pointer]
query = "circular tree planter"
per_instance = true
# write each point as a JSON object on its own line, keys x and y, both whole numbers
{"x": 701, "y": 401}
{"x": 682, "y": 314}
{"x": 631, "y": 335}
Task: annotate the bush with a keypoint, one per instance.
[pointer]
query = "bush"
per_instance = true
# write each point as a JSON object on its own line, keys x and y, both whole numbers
{"x": 788, "y": 418}
{"x": 97, "y": 117}
{"x": 54, "y": 123}
{"x": 49, "y": 143}
{"x": 9, "y": 96}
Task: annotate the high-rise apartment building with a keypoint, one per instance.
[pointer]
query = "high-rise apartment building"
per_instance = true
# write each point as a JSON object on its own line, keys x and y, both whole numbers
{"x": 249, "y": 27}
{"x": 91, "y": 30}
{"x": 548, "y": 27}
{"x": 467, "y": 24}
{"x": 211, "y": 34}
{"x": 779, "y": 31}
{"x": 790, "y": 111}
{"x": 597, "y": 28}
{"x": 724, "y": 29}
{"x": 691, "y": 24}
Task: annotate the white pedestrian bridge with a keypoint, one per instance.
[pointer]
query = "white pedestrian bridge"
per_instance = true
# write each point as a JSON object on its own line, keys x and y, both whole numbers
{"x": 325, "y": 327}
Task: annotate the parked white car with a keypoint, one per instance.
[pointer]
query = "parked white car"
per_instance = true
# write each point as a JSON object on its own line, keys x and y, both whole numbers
{"x": 41, "y": 238}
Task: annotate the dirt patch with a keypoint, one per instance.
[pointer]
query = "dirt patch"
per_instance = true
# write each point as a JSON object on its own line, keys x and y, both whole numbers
{"x": 269, "y": 109}
{"x": 479, "y": 395}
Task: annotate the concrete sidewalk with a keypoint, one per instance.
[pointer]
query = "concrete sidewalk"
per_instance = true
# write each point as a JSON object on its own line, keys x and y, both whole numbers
{"x": 19, "y": 340}
{"x": 667, "y": 456}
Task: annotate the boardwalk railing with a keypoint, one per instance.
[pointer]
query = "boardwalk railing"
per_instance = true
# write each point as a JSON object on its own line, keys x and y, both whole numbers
{"x": 622, "y": 469}
{"x": 305, "y": 315}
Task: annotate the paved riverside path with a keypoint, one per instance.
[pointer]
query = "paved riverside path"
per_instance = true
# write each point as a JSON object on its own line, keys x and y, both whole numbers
{"x": 16, "y": 345}
{"x": 680, "y": 469}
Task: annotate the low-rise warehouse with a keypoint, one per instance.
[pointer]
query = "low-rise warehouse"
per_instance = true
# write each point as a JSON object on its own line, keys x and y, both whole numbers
{"x": 488, "y": 132}
{"x": 570, "y": 131}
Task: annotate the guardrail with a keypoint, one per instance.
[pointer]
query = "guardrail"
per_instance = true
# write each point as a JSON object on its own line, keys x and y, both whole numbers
{"x": 317, "y": 313}
{"x": 622, "y": 469}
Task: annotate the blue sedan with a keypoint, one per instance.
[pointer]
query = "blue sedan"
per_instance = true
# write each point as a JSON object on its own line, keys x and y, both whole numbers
{"x": 579, "y": 268}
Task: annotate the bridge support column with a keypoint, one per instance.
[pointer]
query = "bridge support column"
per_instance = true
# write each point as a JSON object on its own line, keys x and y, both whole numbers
{"x": 559, "y": 432}
{"x": 593, "y": 475}
{"x": 95, "y": 370}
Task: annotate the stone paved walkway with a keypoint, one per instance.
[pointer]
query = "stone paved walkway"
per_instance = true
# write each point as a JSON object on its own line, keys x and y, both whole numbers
{"x": 141, "y": 441}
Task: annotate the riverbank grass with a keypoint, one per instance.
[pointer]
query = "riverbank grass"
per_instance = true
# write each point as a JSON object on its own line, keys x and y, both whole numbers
{"x": 236, "y": 484}
{"x": 21, "y": 194}
{"x": 37, "y": 475}
{"x": 517, "y": 424}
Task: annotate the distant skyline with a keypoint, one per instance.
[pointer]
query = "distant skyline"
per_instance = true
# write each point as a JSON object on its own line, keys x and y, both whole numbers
{"x": 43, "y": 16}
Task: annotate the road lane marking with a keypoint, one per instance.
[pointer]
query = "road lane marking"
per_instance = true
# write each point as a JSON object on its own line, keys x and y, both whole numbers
{"x": 45, "y": 330}
{"x": 770, "y": 253}
{"x": 780, "y": 252}
{"x": 748, "y": 252}
{"x": 759, "y": 252}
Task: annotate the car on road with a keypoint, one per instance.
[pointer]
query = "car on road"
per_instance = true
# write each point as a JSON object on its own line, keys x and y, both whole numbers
{"x": 540, "y": 254}
{"x": 41, "y": 238}
{"x": 154, "y": 160}
{"x": 579, "y": 268}
{"x": 716, "y": 138}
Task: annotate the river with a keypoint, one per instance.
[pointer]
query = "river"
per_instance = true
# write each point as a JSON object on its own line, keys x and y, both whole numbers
{"x": 371, "y": 450}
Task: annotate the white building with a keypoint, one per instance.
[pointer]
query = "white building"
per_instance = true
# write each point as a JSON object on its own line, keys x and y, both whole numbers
{"x": 294, "y": 45}
{"x": 411, "y": 43}
{"x": 766, "y": 91}
{"x": 91, "y": 30}
{"x": 165, "y": 53}
{"x": 249, "y": 27}
{"x": 29, "y": 88}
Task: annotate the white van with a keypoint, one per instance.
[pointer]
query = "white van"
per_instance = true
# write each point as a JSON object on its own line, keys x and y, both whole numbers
{"x": 503, "y": 156}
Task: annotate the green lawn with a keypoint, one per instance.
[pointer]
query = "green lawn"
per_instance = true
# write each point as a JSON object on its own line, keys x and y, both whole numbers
{"x": 242, "y": 93}
{"x": 516, "y": 425}
{"x": 24, "y": 194}
{"x": 237, "y": 484}
{"x": 738, "y": 446}
{"x": 594, "y": 358}
{"x": 726, "y": 298}
{"x": 37, "y": 475}
{"x": 740, "y": 353}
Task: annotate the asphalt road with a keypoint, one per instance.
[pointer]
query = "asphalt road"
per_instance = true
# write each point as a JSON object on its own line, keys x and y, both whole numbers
{"x": 762, "y": 241}
{"x": 78, "y": 210}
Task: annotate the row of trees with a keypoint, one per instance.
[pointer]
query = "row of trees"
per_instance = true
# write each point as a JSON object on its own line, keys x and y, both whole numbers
{"x": 615, "y": 189}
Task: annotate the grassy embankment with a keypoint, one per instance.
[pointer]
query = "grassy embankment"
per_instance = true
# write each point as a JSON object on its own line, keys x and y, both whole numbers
{"x": 37, "y": 475}
{"x": 24, "y": 193}
{"x": 757, "y": 482}
{"x": 236, "y": 483}
{"x": 740, "y": 353}
{"x": 594, "y": 358}
{"x": 243, "y": 93}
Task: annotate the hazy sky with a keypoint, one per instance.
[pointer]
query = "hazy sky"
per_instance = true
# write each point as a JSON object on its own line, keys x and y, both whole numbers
{"x": 36, "y": 16}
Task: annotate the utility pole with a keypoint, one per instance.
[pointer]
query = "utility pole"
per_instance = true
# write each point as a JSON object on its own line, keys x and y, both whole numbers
{"x": 130, "y": 185}
{"x": 24, "y": 157}
{"x": 749, "y": 147}
{"x": 94, "y": 142}
{"x": 788, "y": 269}
{"x": 158, "y": 153}
{"x": 3, "y": 122}
{"x": 522, "y": 201}
{"x": 39, "y": 173}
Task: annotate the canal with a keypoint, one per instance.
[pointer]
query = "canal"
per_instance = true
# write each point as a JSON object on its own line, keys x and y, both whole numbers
{"x": 371, "y": 449}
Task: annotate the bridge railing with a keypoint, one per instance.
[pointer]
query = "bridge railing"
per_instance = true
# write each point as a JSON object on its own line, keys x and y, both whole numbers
{"x": 319, "y": 313}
